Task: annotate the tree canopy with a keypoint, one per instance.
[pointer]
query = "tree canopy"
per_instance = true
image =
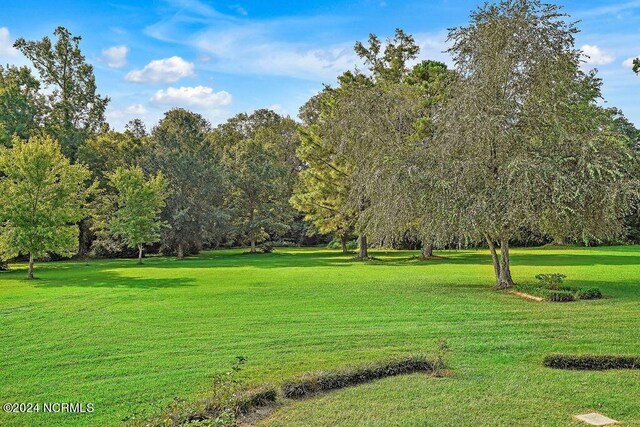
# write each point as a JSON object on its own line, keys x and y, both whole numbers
{"x": 139, "y": 202}
{"x": 42, "y": 198}
{"x": 75, "y": 110}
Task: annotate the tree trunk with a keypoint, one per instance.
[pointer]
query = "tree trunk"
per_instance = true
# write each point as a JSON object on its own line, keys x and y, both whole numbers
{"x": 364, "y": 252}
{"x": 343, "y": 243}
{"x": 180, "y": 251}
{"x": 84, "y": 238}
{"x": 253, "y": 246}
{"x": 139, "y": 254}
{"x": 505, "y": 266}
{"x": 427, "y": 250}
{"x": 30, "y": 272}
{"x": 494, "y": 258}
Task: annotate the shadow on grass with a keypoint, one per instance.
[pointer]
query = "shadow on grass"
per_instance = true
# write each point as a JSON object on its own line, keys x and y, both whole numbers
{"x": 320, "y": 258}
{"x": 107, "y": 278}
{"x": 101, "y": 272}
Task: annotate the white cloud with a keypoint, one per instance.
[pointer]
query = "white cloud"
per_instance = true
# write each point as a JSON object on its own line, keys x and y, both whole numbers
{"x": 198, "y": 96}
{"x": 166, "y": 70}
{"x": 628, "y": 63}
{"x": 135, "y": 109}
{"x": 130, "y": 112}
{"x": 593, "y": 55}
{"x": 6, "y": 45}
{"x": 234, "y": 44}
{"x": 115, "y": 56}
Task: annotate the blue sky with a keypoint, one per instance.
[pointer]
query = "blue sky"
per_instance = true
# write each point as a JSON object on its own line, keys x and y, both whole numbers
{"x": 220, "y": 58}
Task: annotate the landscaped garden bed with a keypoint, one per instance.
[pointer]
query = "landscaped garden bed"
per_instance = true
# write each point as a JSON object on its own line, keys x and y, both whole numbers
{"x": 550, "y": 288}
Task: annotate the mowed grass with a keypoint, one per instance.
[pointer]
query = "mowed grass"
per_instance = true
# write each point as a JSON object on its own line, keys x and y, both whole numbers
{"x": 129, "y": 338}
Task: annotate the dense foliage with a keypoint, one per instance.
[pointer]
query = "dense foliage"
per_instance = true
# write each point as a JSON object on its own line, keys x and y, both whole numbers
{"x": 510, "y": 146}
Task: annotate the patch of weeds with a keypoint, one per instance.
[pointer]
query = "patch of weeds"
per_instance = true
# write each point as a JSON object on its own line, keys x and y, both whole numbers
{"x": 220, "y": 409}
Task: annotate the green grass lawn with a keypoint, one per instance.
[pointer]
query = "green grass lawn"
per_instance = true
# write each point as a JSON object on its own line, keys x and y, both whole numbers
{"x": 129, "y": 338}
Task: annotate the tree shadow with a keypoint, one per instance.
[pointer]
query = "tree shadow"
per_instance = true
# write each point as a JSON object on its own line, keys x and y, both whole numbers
{"x": 103, "y": 272}
{"x": 109, "y": 278}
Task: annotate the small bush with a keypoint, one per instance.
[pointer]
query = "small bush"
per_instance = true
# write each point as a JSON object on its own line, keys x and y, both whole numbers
{"x": 267, "y": 248}
{"x": 591, "y": 293}
{"x": 551, "y": 281}
{"x": 591, "y": 362}
{"x": 331, "y": 380}
{"x": 557, "y": 296}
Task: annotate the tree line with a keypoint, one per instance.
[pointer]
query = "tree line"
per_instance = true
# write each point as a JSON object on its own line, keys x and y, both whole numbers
{"x": 511, "y": 145}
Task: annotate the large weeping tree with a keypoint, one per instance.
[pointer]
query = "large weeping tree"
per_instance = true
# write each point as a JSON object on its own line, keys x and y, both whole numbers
{"x": 522, "y": 143}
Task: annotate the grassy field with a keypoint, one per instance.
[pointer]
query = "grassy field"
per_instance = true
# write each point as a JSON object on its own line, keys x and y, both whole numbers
{"x": 129, "y": 338}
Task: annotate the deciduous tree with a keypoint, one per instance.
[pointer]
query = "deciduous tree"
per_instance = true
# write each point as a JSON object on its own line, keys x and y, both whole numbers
{"x": 259, "y": 188}
{"x": 21, "y": 106}
{"x": 139, "y": 201}
{"x": 75, "y": 110}
{"x": 180, "y": 148}
{"x": 522, "y": 143}
{"x": 41, "y": 200}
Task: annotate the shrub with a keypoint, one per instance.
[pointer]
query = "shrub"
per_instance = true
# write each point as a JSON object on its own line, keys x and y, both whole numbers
{"x": 331, "y": 380}
{"x": 557, "y": 296}
{"x": 267, "y": 248}
{"x": 551, "y": 281}
{"x": 563, "y": 294}
{"x": 591, "y": 293}
{"x": 591, "y": 362}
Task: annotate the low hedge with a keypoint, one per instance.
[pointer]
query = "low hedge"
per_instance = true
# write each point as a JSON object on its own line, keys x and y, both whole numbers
{"x": 330, "y": 380}
{"x": 256, "y": 398}
{"x": 590, "y": 362}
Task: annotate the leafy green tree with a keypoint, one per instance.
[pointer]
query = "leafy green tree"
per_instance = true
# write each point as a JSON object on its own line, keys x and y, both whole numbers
{"x": 104, "y": 154}
{"x": 267, "y": 141}
{"x": 108, "y": 151}
{"x": 522, "y": 143}
{"x": 259, "y": 188}
{"x": 636, "y": 65}
{"x": 75, "y": 110}
{"x": 180, "y": 148}
{"x": 139, "y": 202}
{"x": 41, "y": 200}
{"x": 390, "y": 64}
{"x": 21, "y": 106}
{"x": 376, "y": 124}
